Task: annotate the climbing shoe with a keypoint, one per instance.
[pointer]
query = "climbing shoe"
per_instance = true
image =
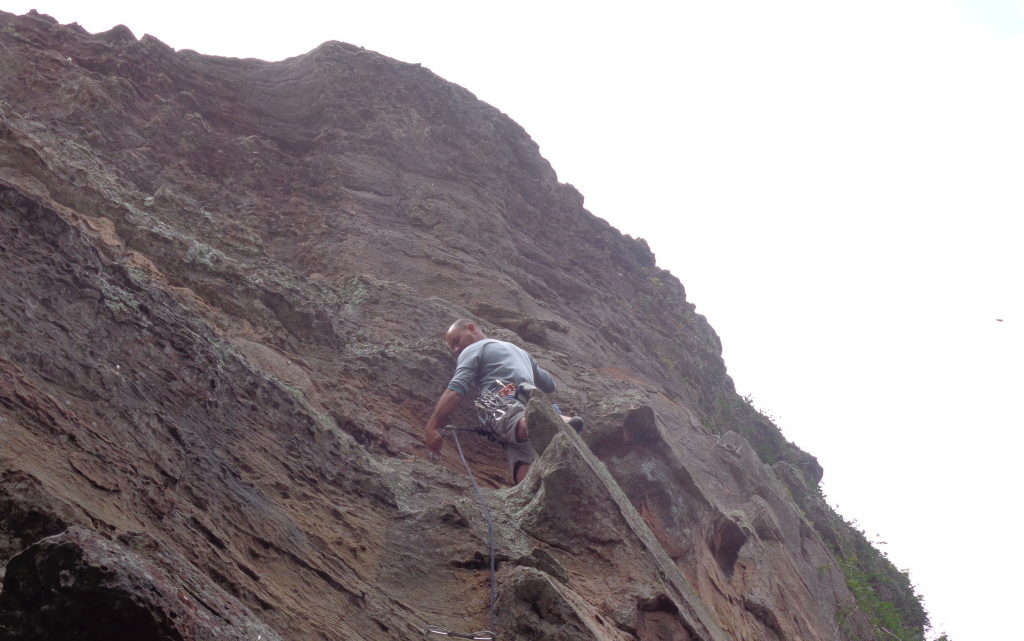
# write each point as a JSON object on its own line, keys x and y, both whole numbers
{"x": 576, "y": 422}
{"x": 524, "y": 392}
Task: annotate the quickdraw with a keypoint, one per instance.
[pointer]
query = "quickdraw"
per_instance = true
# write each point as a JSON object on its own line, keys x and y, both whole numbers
{"x": 482, "y": 635}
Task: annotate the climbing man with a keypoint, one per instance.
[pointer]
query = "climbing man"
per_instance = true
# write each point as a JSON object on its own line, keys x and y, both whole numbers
{"x": 504, "y": 376}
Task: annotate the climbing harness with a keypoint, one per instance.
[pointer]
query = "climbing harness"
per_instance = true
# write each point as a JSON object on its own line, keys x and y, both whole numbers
{"x": 501, "y": 393}
{"x": 487, "y": 635}
{"x": 493, "y": 403}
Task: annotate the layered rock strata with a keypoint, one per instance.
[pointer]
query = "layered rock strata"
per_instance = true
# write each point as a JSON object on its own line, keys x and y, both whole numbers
{"x": 224, "y": 287}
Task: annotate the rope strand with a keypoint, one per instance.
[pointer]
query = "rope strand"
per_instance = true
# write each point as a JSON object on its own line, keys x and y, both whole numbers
{"x": 482, "y": 635}
{"x": 490, "y": 528}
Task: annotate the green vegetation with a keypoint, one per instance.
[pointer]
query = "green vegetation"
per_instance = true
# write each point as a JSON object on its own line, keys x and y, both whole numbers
{"x": 886, "y": 619}
{"x": 731, "y": 409}
{"x": 883, "y": 593}
{"x": 739, "y": 414}
{"x": 884, "y": 596}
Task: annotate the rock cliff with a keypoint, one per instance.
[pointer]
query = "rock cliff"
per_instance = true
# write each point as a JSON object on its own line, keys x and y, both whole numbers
{"x": 224, "y": 288}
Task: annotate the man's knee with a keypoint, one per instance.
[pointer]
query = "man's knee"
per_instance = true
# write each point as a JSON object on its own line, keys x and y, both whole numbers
{"x": 522, "y": 467}
{"x": 522, "y": 434}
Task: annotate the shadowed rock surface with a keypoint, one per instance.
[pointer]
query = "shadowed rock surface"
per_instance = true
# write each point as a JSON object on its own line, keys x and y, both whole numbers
{"x": 225, "y": 283}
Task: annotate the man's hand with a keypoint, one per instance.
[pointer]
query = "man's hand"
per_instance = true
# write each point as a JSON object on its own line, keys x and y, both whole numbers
{"x": 447, "y": 404}
{"x": 434, "y": 440}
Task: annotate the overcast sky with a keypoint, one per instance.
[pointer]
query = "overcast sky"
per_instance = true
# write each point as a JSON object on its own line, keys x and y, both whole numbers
{"x": 838, "y": 186}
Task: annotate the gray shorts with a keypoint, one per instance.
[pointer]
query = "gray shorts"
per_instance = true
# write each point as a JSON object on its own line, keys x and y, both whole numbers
{"x": 501, "y": 420}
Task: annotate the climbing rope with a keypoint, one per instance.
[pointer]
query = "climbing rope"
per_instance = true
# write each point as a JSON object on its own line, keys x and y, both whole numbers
{"x": 483, "y": 635}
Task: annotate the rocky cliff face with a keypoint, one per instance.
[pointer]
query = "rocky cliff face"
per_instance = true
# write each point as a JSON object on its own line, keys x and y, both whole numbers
{"x": 225, "y": 285}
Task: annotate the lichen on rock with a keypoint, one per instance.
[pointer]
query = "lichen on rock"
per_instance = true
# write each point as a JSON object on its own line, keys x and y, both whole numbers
{"x": 225, "y": 286}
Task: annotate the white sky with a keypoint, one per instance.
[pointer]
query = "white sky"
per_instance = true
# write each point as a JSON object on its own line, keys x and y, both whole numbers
{"x": 835, "y": 183}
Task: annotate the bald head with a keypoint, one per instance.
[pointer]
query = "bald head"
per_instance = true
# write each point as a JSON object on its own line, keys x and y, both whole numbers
{"x": 462, "y": 334}
{"x": 460, "y": 324}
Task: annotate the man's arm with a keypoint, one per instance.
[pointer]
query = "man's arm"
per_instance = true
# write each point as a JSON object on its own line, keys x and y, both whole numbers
{"x": 541, "y": 378}
{"x": 446, "y": 405}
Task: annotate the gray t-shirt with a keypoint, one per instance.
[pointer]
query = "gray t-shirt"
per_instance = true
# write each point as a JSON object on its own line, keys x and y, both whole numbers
{"x": 489, "y": 360}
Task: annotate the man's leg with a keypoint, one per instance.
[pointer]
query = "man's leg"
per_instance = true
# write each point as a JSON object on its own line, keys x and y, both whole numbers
{"x": 521, "y": 469}
{"x": 523, "y": 432}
